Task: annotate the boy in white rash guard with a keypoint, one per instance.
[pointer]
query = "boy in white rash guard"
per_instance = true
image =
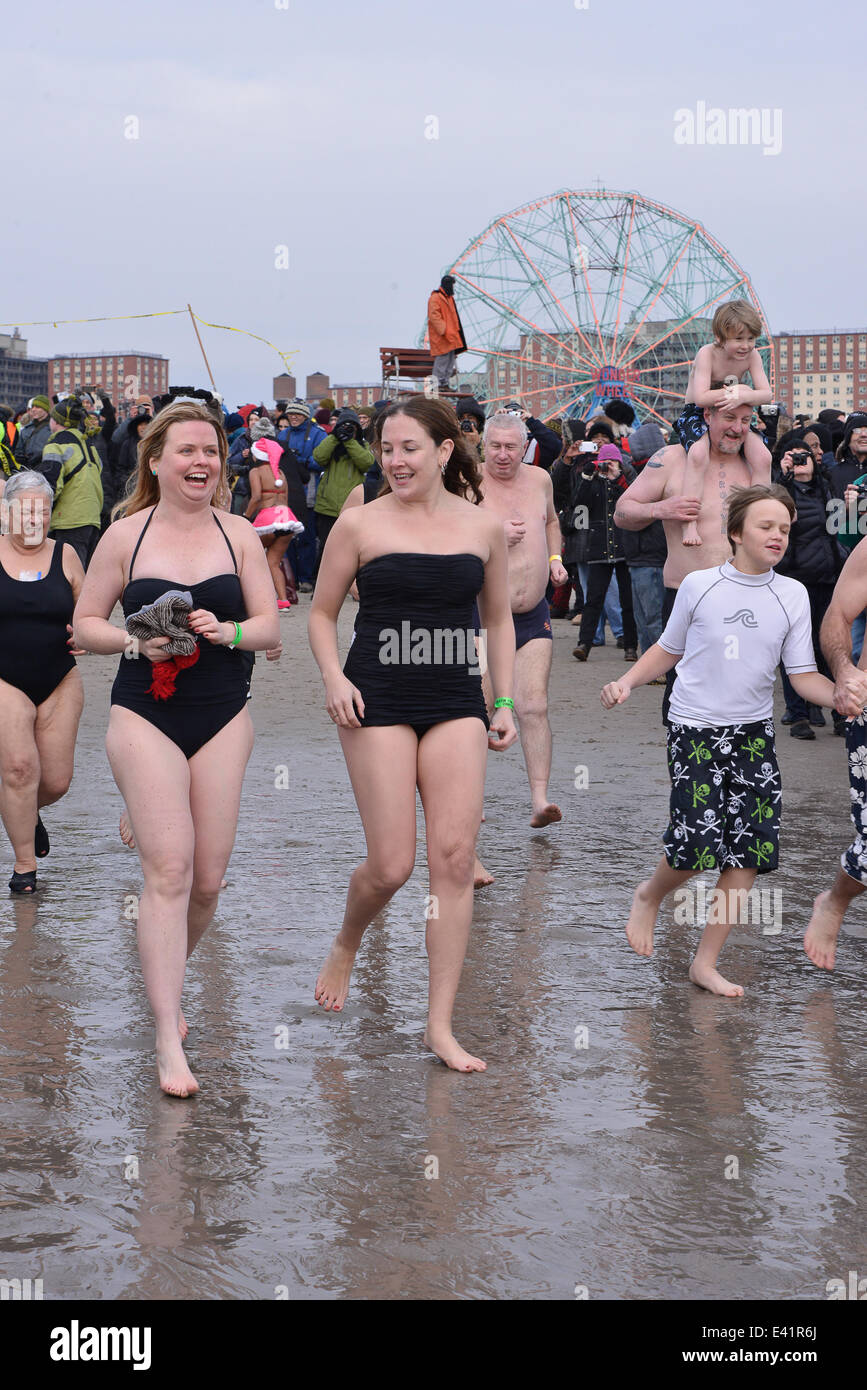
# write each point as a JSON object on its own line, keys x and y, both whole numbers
{"x": 729, "y": 628}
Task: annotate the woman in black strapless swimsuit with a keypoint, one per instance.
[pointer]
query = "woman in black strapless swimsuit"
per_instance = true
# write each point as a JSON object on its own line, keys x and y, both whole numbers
{"x": 408, "y": 703}
{"x": 179, "y": 762}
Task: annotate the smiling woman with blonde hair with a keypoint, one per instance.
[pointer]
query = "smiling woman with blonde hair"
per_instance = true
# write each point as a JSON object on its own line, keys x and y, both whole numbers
{"x": 178, "y": 755}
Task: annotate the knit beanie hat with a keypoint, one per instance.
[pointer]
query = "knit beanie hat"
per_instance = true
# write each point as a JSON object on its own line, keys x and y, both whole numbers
{"x": 297, "y": 407}
{"x": 323, "y": 416}
{"x": 468, "y": 405}
{"x": 234, "y": 422}
{"x": 69, "y": 413}
{"x": 609, "y": 452}
{"x": 42, "y": 403}
{"x": 856, "y": 421}
{"x": 262, "y": 428}
{"x": 646, "y": 440}
{"x": 822, "y": 433}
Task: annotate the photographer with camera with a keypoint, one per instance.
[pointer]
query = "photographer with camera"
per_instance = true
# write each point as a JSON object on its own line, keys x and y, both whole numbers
{"x": 599, "y": 487}
{"x": 344, "y": 459}
{"x": 471, "y": 418}
{"x": 814, "y": 557}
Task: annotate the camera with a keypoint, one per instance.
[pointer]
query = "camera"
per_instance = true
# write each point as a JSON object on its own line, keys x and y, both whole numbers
{"x": 585, "y": 448}
{"x": 468, "y": 425}
{"x": 800, "y": 456}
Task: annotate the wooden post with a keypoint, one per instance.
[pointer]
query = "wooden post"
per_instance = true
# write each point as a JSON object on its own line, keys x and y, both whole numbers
{"x": 201, "y": 345}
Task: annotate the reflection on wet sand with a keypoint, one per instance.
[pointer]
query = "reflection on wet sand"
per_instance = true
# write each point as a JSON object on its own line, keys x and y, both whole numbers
{"x": 633, "y": 1136}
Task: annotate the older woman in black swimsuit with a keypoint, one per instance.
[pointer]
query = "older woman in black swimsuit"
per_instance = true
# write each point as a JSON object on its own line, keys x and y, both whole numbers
{"x": 412, "y": 714}
{"x": 179, "y": 762}
{"x": 41, "y": 695}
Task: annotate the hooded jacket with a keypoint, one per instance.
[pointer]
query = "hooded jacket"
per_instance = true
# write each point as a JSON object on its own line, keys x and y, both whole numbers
{"x": 343, "y": 465}
{"x": 74, "y": 471}
{"x": 445, "y": 333}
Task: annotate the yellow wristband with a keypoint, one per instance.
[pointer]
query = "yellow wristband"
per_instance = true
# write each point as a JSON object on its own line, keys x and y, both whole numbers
{"x": 552, "y": 558}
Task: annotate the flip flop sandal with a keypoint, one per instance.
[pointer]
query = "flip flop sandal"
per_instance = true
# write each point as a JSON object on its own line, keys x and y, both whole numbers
{"x": 23, "y": 883}
{"x": 42, "y": 844}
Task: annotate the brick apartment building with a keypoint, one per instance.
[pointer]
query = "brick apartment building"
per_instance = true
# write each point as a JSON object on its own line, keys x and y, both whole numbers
{"x": 823, "y": 370}
{"x": 122, "y": 375}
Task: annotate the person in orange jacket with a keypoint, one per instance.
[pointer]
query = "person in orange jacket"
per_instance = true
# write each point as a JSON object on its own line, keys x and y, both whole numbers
{"x": 445, "y": 334}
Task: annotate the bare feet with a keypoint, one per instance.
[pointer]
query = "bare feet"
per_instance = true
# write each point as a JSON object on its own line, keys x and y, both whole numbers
{"x": 183, "y": 1026}
{"x": 707, "y": 978}
{"x": 690, "y": 534}
{"x": 176, "y": 1079}
{"x": 332, "y": 986}
{"x": 481, "y": 877}
{"x": 546, "y": 815}
{"x": 820, "y": 941}
{"x": 448, "y": 1049}
{"x": 642, "y": 920}
{"x": 125, "y": 829}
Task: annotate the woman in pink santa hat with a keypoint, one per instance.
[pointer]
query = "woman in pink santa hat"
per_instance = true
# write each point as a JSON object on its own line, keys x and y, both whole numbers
{"x": 268, "y": 511}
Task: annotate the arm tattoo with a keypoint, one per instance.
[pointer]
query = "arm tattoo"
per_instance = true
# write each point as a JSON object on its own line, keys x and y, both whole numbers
{"x": 655, "y": 461}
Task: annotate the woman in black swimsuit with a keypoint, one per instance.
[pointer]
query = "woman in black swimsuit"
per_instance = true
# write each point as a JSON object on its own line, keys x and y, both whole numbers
{"x": 179, "y": 762}
{"x": 408, "y": 703}
{"x": 41, "y": 695}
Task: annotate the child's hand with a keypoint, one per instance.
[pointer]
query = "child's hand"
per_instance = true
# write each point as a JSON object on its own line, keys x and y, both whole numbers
{"x": 615, "y": 693}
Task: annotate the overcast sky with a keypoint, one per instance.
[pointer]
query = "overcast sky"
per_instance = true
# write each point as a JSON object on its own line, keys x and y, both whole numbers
{"x": 304, "y": 126}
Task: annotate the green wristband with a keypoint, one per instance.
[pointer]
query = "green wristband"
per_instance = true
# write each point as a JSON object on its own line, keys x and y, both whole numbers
{"x": 237, "y": 637}
{"x": 504, "y": 703}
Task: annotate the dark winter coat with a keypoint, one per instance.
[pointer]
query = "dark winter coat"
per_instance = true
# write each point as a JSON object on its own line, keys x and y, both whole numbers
{"x": 648, "y": 546}
{"x": 297, "y": 476}
{"x": 30, "y": 443}
{"x": 600, "y": 496}
{"x": 813, "y": 555}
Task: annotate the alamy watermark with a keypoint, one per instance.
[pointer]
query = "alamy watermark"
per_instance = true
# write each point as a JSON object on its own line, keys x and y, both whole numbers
{"x": 438, "y": 646}
{"x": 20, "y": 1289}
{"x": 701, "y": 905}
{"x": 24, "y": 517}
{"x": 739, "y": 125}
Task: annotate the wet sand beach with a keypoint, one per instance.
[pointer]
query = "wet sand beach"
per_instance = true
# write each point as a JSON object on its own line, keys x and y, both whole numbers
{"x": 633, "y": 1136}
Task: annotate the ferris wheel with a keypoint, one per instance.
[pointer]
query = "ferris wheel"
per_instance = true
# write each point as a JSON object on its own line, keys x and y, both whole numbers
{"x": 583, "y": 296}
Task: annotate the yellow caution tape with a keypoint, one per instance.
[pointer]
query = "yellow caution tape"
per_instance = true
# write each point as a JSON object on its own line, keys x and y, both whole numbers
{"x": 163, "y": 313}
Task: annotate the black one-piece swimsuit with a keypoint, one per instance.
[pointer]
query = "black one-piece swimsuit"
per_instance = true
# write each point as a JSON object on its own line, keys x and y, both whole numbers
{"x": 415, "y": 612}
{"x": 34, "y": 650}
{"x": 207, "y": 694}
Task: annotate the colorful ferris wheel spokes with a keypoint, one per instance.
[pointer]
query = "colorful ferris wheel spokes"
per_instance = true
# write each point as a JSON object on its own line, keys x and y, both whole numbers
{"x": 586, "y": 295}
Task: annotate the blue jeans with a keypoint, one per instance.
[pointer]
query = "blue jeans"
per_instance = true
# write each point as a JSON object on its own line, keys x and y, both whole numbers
{"x": 611, "y": 610}
{"x": 302, "y": 553}
{"x": 647, "y": 595}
